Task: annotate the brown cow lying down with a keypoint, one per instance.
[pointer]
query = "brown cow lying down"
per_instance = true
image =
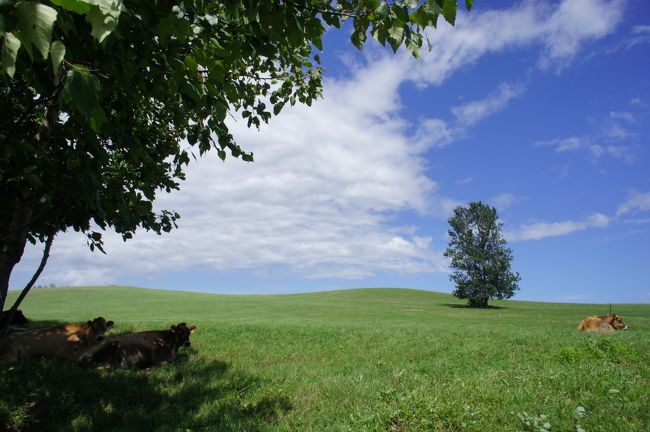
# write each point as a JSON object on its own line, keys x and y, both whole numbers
{"x": 604, "y": 323}
{"x": 65, "y": 341}
{"x": 140, "y": 350}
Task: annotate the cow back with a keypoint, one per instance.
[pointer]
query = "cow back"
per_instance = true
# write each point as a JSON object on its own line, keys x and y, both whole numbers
{"x": 64, "y": 341}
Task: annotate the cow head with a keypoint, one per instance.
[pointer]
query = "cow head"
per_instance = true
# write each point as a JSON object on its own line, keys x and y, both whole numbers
{"x": 98, "y": 327}
{"x": 182, "y": 334}
{"x": 616, "y": 322}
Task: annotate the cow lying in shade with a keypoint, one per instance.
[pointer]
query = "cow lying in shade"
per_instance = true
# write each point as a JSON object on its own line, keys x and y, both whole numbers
{"x": 139, "y": 350}
{"x": 64, "y": 341}
{"x": 604, "y": 323}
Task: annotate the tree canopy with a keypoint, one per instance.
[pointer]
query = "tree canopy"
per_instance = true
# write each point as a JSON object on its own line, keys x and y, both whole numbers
{"x": 479, "y": 256}
{"x": 104, "y": 104}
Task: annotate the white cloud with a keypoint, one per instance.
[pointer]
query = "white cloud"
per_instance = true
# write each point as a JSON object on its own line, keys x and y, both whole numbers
{"x": 503, "y": 200}
{"x": 318, "y": 200}
{"x": 465, "y": 181}
{"x": 562, "y": 30}
{"x": 437, "y": 133}
{"x": 640, "y": 35}
{"x": 638, "y": 102}
{"x": 590, "y": 145}
{"x": 636, "y": 202}
{"x": 475, "y": 111}
{"x": 328, "y": 181}
{"x": 540, "y": 230}
{"x": 434, "y": 133}
{"x": 561, "y": 145}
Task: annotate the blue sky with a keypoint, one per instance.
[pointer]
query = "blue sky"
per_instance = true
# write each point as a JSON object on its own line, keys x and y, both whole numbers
{"x": 539, "y": 108}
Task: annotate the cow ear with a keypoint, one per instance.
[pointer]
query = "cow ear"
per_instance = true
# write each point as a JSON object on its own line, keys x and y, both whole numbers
{"x": 173, "y": 328}
{"x": 90, "y": 323}
{"x": 192, "y": 329}
{"x": 109, "y": 324}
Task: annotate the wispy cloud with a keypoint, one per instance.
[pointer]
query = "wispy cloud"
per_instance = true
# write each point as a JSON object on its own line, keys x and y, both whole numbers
{"x": 465, "y": 181}
{"x": 541, "y": 230}
{"x": 503, "y": 200}
{"x": 473, "y": 112}
{"x": 561, "y": 31}
{"x": 585, "y": 144}
{"x": 438, "y": 133}
{"x": 636, "y": 202}
{"x": 640, "y": 34}
{"x": 611, "y": 138}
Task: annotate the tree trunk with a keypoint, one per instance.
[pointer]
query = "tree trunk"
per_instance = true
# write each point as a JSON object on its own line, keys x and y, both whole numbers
{"x": 479, "y": 302}
{"x": 23, "y": 294}
{"x": 16, "y": 221}
{"x": 12, "y": 245}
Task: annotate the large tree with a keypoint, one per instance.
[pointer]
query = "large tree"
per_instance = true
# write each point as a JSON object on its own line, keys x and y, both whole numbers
{"x": 479, "y": 255}
{"x": 104, "y": 104}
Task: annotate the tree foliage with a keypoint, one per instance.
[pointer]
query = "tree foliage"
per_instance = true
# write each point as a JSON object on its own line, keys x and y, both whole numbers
{"x": 105, "y": 103}
{"x": 479, "y": 256}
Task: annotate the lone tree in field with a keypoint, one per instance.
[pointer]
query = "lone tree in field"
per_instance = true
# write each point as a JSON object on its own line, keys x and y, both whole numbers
{"x": 479, "y": 256}
{"x": 103, "y": 103}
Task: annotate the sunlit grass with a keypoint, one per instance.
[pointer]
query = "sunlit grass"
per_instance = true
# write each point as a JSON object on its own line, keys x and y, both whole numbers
{"x": 373, "y": 359}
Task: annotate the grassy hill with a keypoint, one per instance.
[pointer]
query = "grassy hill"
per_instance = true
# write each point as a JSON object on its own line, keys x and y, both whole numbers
{"x": 356, "y": 360}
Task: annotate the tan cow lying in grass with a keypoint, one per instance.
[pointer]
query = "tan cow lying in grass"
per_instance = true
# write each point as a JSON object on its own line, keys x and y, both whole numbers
{"x": 140, "y": 350}
{"x": 64, "y": 341}
{"x": 604, "y": 323}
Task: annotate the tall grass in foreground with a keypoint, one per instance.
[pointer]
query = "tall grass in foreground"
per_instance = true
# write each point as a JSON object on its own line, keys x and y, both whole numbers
{"x": 359, "y": 360}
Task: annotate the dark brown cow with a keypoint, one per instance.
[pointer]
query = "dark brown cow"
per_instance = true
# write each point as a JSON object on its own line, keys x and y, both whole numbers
{"x": 65, "y": 341}
{"x": 19, "y": 318}
{"x": 140, "y": 350}
{"x": 604, "y": 324}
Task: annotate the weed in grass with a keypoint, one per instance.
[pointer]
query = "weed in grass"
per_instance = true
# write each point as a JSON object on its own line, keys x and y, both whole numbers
{"x": 533, "y": 422}
{"x": 578, "y": 414}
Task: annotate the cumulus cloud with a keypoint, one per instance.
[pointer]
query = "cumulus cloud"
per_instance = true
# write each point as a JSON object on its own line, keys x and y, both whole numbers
{"x": 318, "y": 200}
{"x": 328, "y": 181}
{"x": 540, "y": 230}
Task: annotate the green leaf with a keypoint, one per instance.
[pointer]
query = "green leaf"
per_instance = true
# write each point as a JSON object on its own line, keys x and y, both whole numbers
{"x": 81, "y": 91}
{"x": 189, "y": 89}
{"x": 382, "y": 11}
{"x": 10, "y": 49}
{"x": 34, "y": 22}
{"x": 57, "y": 51}
{"x": 449, "y": 11}
{"x": 33, "y": 180}
{"x": 396, "y": 36}
{"x": 103, "y": 17}
{"x": 469, "y": 4}
{"x": 371, "y": 4}
{"x": 190, "y": 63}
{"x": 78, "y": 6}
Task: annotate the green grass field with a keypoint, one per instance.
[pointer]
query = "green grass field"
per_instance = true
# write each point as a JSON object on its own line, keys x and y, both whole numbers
{"x": 358, "y": 360}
